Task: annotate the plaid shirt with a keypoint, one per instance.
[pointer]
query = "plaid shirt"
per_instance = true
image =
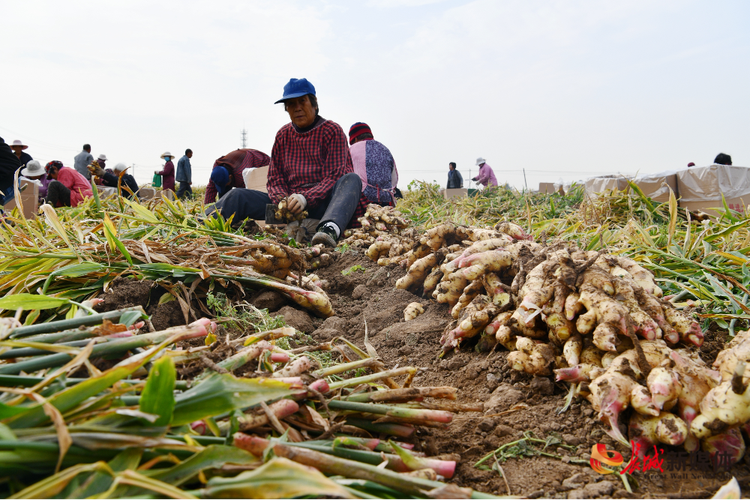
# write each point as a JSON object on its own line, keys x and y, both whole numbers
{"x": 237, "y": 161}
{"x": 310, "y": 163}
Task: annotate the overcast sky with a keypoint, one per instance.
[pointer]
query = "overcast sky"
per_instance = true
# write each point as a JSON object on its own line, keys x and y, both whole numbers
{"x": 561, "y": 89}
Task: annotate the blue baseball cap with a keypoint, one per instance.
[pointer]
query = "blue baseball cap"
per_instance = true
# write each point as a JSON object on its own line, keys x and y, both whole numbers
{"x": 220, "y": 176}
{"x": 297, "y": 87}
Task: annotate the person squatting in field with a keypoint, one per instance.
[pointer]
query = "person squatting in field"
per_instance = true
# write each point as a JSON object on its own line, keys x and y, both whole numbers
{"x": 9, "y": 163}
{"x": 310, "y": 165}
{"x": 227, "y": 171}
{"x": 34, "y": 172}
{"x": 68, "y": 187}
{"x": 111, "y": 178}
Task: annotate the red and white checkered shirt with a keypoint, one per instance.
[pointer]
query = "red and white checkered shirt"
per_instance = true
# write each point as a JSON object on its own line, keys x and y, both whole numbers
{"x": 310, "y": 163}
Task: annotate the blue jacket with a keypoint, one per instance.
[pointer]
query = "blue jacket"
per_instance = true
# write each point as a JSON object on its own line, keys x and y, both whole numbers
{"x": 184, "y": 171}
{"x": 455, "y": 180}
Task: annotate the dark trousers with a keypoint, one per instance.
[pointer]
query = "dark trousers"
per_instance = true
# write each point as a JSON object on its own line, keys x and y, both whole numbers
{"x": 184, "y": 190}
{"x": 338, "y": 206}
{"x": 7, "y": 194}
{"x": 58, "y": 193}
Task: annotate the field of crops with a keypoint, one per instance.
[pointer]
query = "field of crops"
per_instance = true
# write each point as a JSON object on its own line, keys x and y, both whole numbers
{"x": 464, "y": 348}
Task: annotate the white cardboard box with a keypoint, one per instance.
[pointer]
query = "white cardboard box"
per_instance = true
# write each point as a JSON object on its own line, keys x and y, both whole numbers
{"x": 657, "y": 186}
{"x": 455, "y": 193}
{"x": 605, "y": 183}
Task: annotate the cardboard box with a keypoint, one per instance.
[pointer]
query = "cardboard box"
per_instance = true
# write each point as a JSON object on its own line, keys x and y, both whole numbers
{"x": 657, "y": 186}
{"x": 455, "y": 193}
{"x": 701, "y": 188}
{"x": 546, "y": 187}
{"x": 146, "y": 193}
{"x": 605, "y": 183}
{"x": 256, "y": 178}
{"x": 106, "y": 191}
{"x": 551, "y": 187}
{"x": 29, "y": 199}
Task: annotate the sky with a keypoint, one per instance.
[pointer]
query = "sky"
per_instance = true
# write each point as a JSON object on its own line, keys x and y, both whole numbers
{"x": 545, "y": 91}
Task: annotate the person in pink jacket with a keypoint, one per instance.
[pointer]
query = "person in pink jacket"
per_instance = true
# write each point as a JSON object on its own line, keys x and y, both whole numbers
{"x": 486, "y": 176}
{"x": 67, "y": 188}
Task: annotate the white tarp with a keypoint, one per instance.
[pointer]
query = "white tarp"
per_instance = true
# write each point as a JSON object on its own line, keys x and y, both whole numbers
{"x": 709, "y": 183}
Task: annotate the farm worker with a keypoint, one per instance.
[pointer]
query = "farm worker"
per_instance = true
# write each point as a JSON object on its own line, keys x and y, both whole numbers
{"x": 68, "y": 187}
{"x": 310, "y": 165}
{"x": 101, "y": 160}
{"x": 35, "y": 172}
{"x": 455, "y": 180}
{"x": 167, "y": 173}
{"x": 374, "y": 164}
{"x": 82, "y": 160}
{"x": 18, "y": 148}
{"x": 486, "y": 176}
{"x": 723, "y": 159}
{"x": 185, "y": 175}
{"x": 9, "y": 163}
{"x": 227, "y": 171}
{"x": 111, "y": 179}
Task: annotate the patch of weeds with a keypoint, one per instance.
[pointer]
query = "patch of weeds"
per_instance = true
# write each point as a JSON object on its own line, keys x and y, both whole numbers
{"x": 242, "y": 315}
{"x": 528, "y": 446}
{"x": 347, "y": 272}
{"x": 324, "y": 358}
{"x": 342, "y": 248}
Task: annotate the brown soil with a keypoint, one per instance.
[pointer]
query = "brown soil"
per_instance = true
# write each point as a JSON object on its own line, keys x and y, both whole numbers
{"x": 513, "y": 403}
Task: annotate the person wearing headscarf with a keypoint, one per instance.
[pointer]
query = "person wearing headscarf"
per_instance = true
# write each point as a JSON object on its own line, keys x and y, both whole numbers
{"x": 227, "y": 171}
{"x": 68, "y": 187}
{"x": 374, "y": 164}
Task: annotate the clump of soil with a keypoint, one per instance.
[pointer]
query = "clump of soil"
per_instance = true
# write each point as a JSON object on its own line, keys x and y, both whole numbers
{"x": 130, "y": 292}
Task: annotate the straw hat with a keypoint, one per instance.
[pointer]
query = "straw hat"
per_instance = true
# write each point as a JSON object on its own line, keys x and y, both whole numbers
{"x": 33, "y": 169}
{"x": 18, "y": 143}
{"x": 167, "y": 153}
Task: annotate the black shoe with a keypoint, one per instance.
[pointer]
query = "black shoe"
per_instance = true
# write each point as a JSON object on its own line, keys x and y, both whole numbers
{"x": 325, "y": 236}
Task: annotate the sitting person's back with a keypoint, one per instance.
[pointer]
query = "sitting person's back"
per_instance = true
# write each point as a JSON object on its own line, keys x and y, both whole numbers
{"x": 374, "y": 164}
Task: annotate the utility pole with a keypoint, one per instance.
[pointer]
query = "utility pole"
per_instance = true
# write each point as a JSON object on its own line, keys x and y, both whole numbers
{"x": 244, "y": 136}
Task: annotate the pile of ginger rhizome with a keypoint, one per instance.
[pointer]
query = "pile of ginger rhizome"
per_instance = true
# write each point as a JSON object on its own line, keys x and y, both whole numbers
{"x": 594, "y": 320}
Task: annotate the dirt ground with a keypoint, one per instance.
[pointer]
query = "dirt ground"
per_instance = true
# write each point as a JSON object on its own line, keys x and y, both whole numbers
{"x": 512, "y": 403}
